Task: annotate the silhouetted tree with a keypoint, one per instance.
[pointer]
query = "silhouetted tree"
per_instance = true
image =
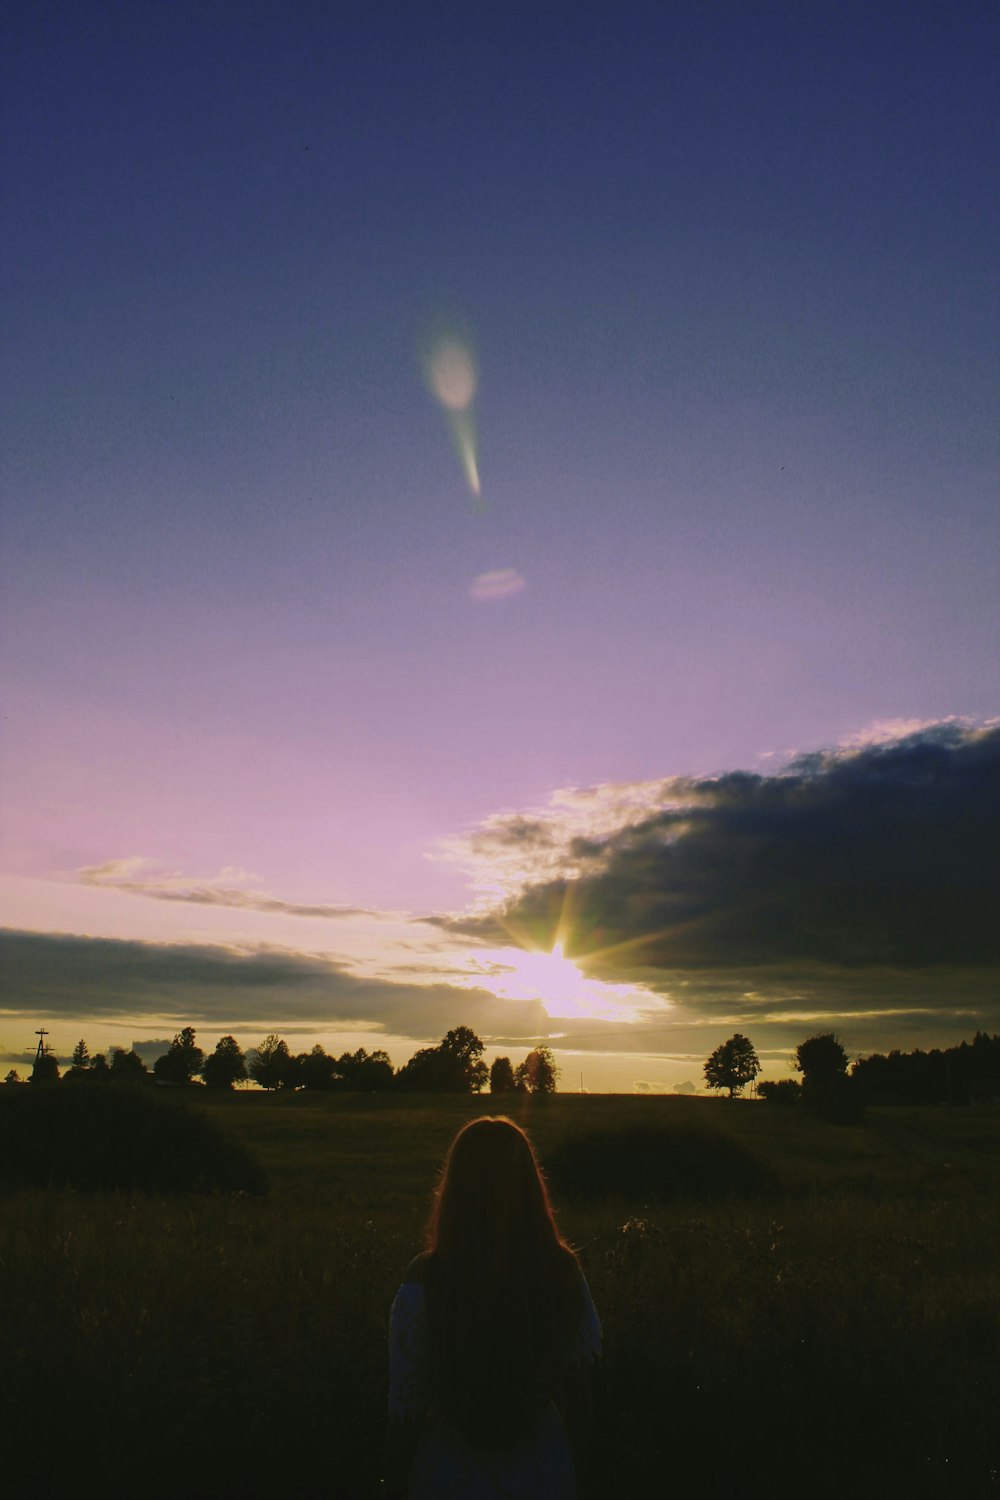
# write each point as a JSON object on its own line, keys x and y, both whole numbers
{"x": 501, "y": 1076}
{"x": 954, "y": 1075}
{"x": 365, "y": 1072}
{"x": 80, "y": 1064}
{"x": 465, "y": 1047}
{"x": 733, "y": 1065}
{"x": 127, "y": 1066}
{"x": 314, "y": 1070}
{"x": 820, "y": 1060}
{"x": 879, "y": 1077}
{"x": 225, "y": 1066}
{"x": 453, "y": 1067}
{"x": 182, "y": 1059}
{"x": 538, "y": 1073}
{"x": 376, "y": 1071}
{"x": 270, "y": 1063}
{"x": 780, "y": 1090}
{"x": 982, "y": 1073}
{"x": 99, "y": 1067}
{"x": 426, "y": 1072}
{"x": 13, "y": 1076}
{"x": 45, "y": 1070}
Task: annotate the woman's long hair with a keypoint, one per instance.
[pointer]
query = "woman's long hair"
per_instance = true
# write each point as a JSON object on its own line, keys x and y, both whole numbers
{"x": 502, "y": 1285}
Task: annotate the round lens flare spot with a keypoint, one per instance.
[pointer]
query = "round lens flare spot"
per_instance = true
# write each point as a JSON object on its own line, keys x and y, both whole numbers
{"x": 452, "y": 376}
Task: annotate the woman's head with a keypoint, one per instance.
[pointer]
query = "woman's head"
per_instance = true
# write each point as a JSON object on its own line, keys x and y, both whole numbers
{"x": 502, "y": 1287}
{"x": 491, "y": 1194}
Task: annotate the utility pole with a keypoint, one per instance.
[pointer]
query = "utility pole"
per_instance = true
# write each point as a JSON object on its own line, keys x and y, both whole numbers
{"x": 41, "y": 1049}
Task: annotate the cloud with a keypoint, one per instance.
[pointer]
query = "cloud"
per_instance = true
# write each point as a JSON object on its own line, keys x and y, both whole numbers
{"x": 857, "y": 884}
{"x": 884, "y": 855}
{"x": 152, "y": 1049}
{"x": 887, "y": 731}
{"x": 138, "y": 877}
{"x": 511, "y": 850}
{"x": 852, "y": 890}
{"x": 644, "y": 1086}
{"x": 64, "y": 976}
{"x": 498, "y": 584}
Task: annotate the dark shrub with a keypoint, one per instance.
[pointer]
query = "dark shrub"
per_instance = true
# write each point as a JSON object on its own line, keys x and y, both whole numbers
{"x": 650, "y": 1162}
{"x": 117, "y": 1140}
{"x": 780, "y": 1090}
{"x": 842, "y": 1102}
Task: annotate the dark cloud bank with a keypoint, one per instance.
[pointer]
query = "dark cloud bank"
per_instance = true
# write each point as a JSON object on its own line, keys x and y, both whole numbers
{"x": 856, "y": 890}
{"x": 852, "y": 874}
{"x": 886, "y": 855}
{"x": 62, "y": 976}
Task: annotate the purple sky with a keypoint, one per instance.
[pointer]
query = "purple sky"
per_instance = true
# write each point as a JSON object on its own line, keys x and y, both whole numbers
{"x": 727, "y": 275}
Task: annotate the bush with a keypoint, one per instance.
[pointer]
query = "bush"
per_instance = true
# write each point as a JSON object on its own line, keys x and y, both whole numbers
{"x": 126, "y": 1140}
{"x": 650, "y": 1162}
{"x": 780, "y": 1090}
{"x": 842, "y": 1102}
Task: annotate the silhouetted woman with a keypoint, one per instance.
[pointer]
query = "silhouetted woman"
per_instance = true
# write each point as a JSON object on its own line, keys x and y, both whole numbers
{"x": 492, "y": 1335}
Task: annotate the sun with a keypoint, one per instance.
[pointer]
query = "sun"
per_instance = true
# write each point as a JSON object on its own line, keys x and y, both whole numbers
{"x": 549, "y": 977}
{"x": 561, "y": 987}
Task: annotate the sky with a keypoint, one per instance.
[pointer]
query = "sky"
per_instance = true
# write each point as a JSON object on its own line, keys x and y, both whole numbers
{"x": 476, "y": 479}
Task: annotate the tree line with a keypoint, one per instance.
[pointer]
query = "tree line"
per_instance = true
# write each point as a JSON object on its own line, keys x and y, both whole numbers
{"x": 965, "y": 1074}
{"x": 454, "y": 1066}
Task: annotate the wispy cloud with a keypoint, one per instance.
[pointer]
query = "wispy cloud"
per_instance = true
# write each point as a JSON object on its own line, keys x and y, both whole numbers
{"x": 500, "y": 583}
{"x": 61, "y": 975}
{"x": 511, "y": 850}
{"x": 892, "y": 731}
{"x": 141, "y": 877}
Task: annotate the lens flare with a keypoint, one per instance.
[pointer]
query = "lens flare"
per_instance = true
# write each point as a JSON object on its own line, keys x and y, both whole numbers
{"x": 463, "y": 437}
{"x": 452, "y": 376}
{"x": 498, "y": 584}
{"x": 452, "y": 379}
{"x": 560, "y": 986}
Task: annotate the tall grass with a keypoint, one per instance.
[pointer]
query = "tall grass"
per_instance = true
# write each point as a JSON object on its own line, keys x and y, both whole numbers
{"x": 236, "y": 1346}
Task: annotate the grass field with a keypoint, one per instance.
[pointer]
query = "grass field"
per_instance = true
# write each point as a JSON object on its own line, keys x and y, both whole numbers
{"x": 831, "y": 1325}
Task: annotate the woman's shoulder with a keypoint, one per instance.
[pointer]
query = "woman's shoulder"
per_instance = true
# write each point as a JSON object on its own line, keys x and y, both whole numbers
{"x": 586, "y": 1335}
{"x": 418, "y": 1271}
{"x": 569, "y": 1268}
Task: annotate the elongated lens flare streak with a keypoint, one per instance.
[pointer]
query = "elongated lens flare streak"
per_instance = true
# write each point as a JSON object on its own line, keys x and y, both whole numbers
{"x": 451, "y": 377}
{"x": 463, "y": 437}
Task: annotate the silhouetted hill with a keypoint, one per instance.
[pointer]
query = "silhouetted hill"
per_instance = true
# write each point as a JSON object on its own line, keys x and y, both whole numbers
{"x": 650, "y": 1162}
{"x": 117, "y": 1139}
